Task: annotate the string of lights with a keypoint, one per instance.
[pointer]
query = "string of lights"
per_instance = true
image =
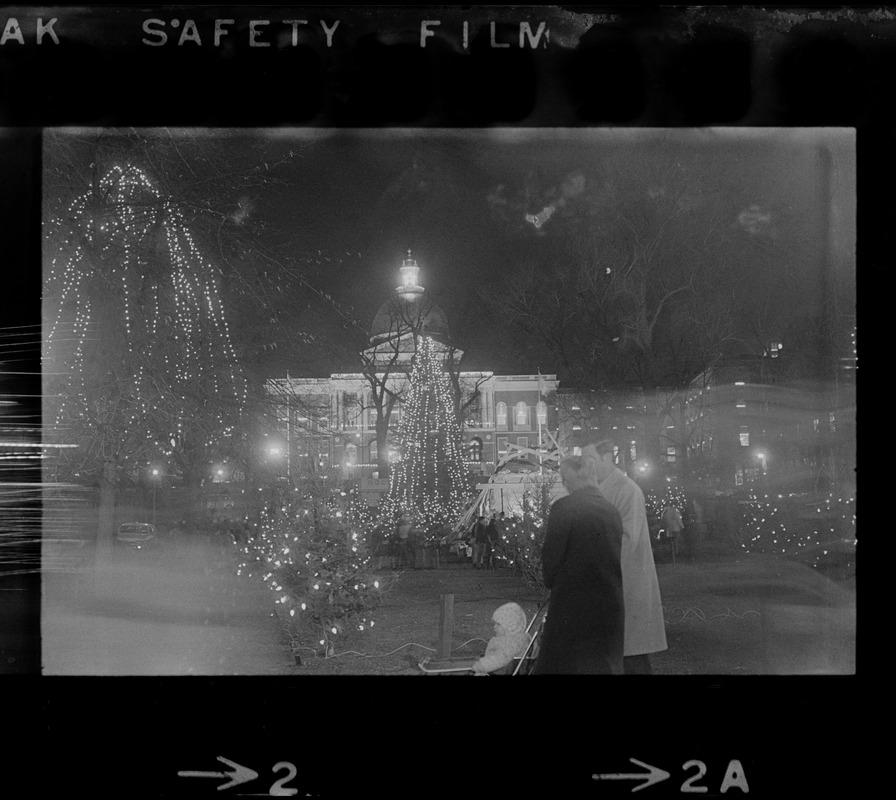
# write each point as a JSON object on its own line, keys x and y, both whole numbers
{"x": 310, "y": 552}
{"x": 128, "y": 273}
{"x": 783, "y": 525}
{"x": 429, "y": 480}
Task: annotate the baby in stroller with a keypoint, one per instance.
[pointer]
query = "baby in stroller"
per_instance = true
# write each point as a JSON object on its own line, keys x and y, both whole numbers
{"x": 509, "y": 642}
{"x": 503, "y": 652}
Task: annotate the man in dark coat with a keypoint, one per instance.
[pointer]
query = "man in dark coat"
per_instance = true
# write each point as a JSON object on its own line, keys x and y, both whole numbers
{"x": 583, "y": 632}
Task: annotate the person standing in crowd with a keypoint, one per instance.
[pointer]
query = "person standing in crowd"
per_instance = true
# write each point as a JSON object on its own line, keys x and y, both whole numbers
{"x": 403, "y": 530}
{"x": 480, "y": 541}
{"x": 692, "y": 532}
{"x": 493, "y": 542}
{"x": 584, "y": 629}
{"x": 415, "y": 543}
{"x": 674, "y": 526}
{"x": 645, "y": 628}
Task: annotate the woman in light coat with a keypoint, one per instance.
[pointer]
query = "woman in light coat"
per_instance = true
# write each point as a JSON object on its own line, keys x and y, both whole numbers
{"x": 645, "y": 627}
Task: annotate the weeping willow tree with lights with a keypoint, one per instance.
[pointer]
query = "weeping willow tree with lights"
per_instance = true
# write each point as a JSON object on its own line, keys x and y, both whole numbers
{"x": 137, "y": 355}
{"x": 429, "y": 482}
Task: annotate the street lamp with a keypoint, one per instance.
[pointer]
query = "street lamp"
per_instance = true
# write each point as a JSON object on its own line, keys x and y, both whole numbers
{"x": 155, "y": 483}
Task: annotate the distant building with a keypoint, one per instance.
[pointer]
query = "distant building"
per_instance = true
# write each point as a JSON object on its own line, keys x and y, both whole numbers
{"x": 748, "y": 418}
{"x": 330, "y": 423}
{"x": 619, "y": 416}
{"x": 755, "y": 416}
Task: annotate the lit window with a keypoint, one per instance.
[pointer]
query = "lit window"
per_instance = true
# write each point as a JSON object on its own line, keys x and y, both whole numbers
{"x": 502, "y": 445}
{"x": 633, "y": 452}
{"x": 351, "y": 409}
{"x": 475, "y": 450}
{"x": 501, "y": 414}
{"x": 670, "y": 454}
{"x": 374, "y": 454}
{"x": 541, "y": 409}
{"x": 521, "y": 415}
{"x": 351, "y": 455}
{"x": 744, "y": 439}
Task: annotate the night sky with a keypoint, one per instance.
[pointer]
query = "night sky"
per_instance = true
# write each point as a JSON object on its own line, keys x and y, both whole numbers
{"x": 364, "y": 197}
{"x": 347, "y": 207}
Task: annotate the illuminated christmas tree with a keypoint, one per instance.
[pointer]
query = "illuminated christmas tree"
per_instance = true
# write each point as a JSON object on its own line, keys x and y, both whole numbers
{"x": 136, "y": 335}
{"x": 309, "y": 550}
{"x": 820, "y": 533}
{"x": 430, "y": 480}
{"x": 672, "y": 495}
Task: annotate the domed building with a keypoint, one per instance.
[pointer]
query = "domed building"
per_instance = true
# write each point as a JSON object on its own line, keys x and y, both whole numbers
{"x": 409, "y": 313}
{"x": 348, "y": 422}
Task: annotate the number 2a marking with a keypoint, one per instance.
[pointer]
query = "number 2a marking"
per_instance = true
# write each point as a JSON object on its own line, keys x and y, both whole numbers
{"x": 277, "y": 789}
{"x": 734, "y": 778}
{"x": 688, "y": 785}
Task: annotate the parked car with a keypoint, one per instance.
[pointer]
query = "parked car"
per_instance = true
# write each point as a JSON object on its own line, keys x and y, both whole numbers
{"x": 137, "y": 535}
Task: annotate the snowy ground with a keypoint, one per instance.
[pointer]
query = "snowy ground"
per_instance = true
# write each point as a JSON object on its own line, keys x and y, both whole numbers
{"x": 181, "y": 613}
{"x": 187, "y": 613}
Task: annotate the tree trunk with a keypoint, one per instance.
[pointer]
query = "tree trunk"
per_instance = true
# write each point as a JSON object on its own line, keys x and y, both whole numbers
{"x": 382, "y": 445}
{"x": 106, "y": 516}
{"x": 652, "y": 429}
{"x": 683, "y": 438}
{"x": 195, "y": 510}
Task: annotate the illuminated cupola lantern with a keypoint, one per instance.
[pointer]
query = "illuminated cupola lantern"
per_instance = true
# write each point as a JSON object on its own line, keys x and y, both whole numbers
{"x": 405, "y": 317}
{"x": 410, "y": 287}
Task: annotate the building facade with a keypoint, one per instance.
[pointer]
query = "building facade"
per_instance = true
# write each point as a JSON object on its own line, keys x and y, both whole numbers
{"x": 744, "y": 421}
{"x": 346, "y": 424}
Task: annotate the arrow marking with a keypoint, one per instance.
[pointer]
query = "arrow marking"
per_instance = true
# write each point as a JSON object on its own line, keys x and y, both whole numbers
{"x": 238, "y": 774}
{"x": 655, "y": 775}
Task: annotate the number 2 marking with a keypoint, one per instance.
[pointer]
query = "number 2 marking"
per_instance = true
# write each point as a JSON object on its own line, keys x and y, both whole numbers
{"x": 688, "y": 786}
{"x": 277, "y": 789}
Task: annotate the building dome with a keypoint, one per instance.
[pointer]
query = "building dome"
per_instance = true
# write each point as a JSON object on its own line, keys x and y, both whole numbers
{"x": 409, "y": 311}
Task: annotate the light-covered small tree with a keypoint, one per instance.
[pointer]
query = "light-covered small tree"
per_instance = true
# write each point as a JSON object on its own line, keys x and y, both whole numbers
{"x": 310, "y": 550}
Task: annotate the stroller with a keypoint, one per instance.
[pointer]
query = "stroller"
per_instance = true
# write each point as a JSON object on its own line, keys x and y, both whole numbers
{"x": 521, "y": 665}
